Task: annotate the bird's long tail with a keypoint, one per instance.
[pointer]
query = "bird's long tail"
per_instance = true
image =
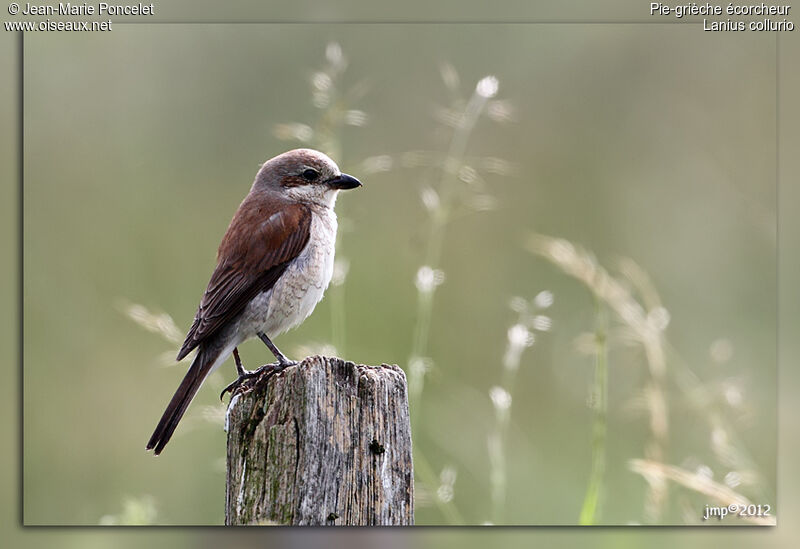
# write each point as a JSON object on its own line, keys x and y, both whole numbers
{"x": 202, "y": 365}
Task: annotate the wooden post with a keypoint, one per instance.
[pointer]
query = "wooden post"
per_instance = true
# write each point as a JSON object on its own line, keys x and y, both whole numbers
{"x": 326, "y": 442}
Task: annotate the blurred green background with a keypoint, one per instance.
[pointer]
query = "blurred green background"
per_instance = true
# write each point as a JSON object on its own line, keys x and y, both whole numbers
{"x": 642, "y": 142}
{"x": 634, "y": 141}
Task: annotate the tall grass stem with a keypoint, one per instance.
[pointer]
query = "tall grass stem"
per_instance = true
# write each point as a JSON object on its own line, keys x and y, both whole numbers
{"x": 590, "y": 511}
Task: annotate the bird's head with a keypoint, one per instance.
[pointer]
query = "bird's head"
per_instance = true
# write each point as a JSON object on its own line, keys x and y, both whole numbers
{"x": 304, "y": 175}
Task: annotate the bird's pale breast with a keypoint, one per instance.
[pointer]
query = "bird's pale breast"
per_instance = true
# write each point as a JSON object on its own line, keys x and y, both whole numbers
{"x": 302, "y": 285}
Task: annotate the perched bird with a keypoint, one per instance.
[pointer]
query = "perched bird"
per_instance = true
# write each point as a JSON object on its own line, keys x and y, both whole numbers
{"x": 273, "y": 265}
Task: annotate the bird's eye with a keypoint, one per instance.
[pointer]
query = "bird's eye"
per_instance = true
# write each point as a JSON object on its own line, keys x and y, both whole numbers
{"x": 310, "y": 175}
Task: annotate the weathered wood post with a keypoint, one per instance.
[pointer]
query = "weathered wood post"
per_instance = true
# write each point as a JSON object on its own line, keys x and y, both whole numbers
{"x": 323, "y": 442}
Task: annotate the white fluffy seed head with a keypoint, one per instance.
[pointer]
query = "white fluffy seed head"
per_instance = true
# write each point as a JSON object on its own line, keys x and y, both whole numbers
{"x": 487, "y": 86}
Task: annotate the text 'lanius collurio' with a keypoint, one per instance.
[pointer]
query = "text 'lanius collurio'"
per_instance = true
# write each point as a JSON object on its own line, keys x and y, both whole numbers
{"x": 273, "y": 265}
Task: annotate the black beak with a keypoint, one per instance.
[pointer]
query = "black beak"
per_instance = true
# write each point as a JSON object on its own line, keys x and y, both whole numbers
{"x": 344, "y": 181}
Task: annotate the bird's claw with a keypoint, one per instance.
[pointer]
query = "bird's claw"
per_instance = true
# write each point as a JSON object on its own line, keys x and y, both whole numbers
{"x": 267, "y": 370}
{"x": 237, "y": 383}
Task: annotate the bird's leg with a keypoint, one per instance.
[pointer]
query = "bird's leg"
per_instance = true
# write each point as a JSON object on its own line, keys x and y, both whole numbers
{"x": 283, "y": 362}
{"x": 267, "y": 369}
{"x": 244, "y": 375}
{"x": 239, "y": 368}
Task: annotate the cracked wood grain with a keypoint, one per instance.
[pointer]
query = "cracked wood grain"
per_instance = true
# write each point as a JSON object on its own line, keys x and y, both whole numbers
{"x": 326, "y": 442}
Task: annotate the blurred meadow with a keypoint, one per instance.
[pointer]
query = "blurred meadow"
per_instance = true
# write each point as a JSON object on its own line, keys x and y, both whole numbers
{"x": 566, "y": 237}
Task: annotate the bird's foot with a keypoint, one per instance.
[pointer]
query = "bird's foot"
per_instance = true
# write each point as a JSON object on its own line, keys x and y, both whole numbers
{"x": 267, "y": 371}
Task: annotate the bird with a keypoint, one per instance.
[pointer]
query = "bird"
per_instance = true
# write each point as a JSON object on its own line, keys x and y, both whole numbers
{"x": 273, "y": 266}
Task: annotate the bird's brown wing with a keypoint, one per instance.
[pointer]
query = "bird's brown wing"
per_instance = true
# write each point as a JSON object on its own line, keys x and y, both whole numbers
{"x": 254, "y": 253}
